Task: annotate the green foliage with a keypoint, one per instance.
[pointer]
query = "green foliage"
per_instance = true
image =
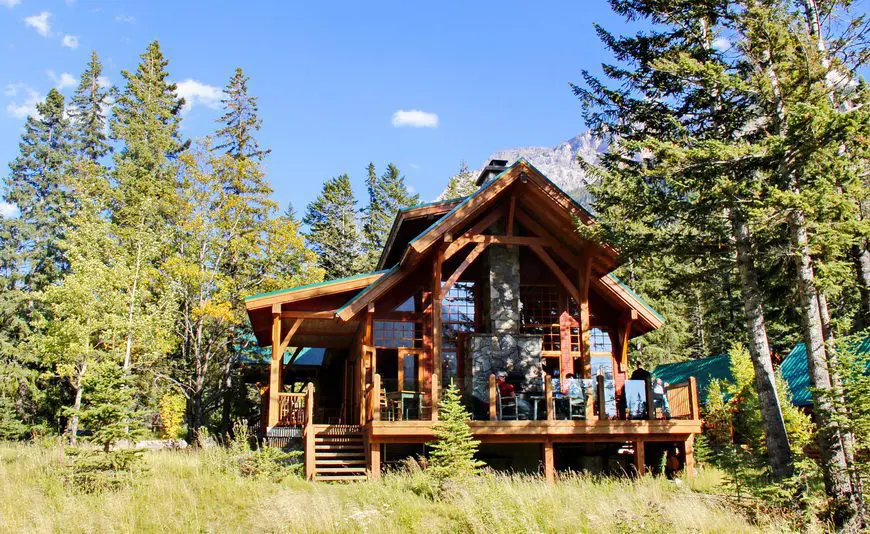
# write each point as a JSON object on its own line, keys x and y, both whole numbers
{"x": 333, "y": 231}
{"x": 240, "y": 121}
{"x": 108, "y": 410}
{"x": 388, "y": 194}
{"x": 11, "y": 426}
{"x": 460, "y": 185}
{"x": 452, "y": 452}
{"x": 264, "y": 463}
{"x": 96, "y": 471}
{"x": 172, "y": 408}
{"x": 88, "y": 112}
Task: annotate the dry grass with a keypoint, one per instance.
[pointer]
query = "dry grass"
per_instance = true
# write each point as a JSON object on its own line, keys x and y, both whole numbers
{"x": 185, "y": 492}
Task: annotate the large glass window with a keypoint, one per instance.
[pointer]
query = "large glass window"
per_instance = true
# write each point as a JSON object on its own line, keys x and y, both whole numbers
{"x": 600, "y": 340}
{"x": 457, "y": 318}
{"x": 542, "y": 306}
{"x": 396, "y": 334}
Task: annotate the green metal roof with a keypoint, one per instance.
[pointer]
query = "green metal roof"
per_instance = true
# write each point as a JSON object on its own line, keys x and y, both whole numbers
{"x": 705, "y": 370}
{"x": 433, "y": 203}
{"x": 316, "y": 284}
{"x": 795, "y": 371}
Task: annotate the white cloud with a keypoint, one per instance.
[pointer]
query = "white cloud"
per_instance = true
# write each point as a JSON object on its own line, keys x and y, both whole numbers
{"x": 71, "y": 41}
{"x": 8, "y": 210}
{"x": 63, "y": 81}
{"x": 721, "y": 44}
{"x": 128, "y": 19}
{"x": 21, "y": 109}
{"x": 40, "y": 23}
{"x": 415, "y": 118}
{"x": 199, "y": 94}
{"x": 9, "y": 3}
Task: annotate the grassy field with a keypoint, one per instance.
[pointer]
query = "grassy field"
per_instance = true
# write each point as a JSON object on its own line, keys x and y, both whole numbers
{"x": 186, "y": 492}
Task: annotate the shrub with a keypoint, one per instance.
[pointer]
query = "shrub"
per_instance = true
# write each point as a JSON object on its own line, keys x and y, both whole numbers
{"x": 95, "y": 470}
{"x": 172, "y": 407}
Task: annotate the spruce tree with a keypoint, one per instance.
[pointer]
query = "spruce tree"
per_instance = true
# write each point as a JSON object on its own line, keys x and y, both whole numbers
{"x": 146, "y": 118}
{"x": 388, "y": 194}
{"x": 35, "y": 186}
{"x": 461, "y": 184}
{"x": 452, "y": 452}
{"x": 88, "y": 113}
{"x": 677, "y": 111}
{"x": 240, "y": 121}
{"x": 333, "y": 233}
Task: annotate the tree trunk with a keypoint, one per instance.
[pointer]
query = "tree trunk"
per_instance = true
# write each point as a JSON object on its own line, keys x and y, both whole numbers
{"x": 861, "y": 258}
{"x": 73, "y": 424}
{"x": 775, "y": 436}
{"x": 833, "y": 458}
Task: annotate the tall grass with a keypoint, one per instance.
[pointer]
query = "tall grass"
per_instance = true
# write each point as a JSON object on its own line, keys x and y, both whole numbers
{"x": 186, "y": 492}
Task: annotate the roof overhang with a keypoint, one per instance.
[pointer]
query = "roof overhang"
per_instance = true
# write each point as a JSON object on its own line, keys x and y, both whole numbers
{"x": 431, "y": 209}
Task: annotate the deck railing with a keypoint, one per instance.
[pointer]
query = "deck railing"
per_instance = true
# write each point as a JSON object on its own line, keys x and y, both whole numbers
{"x": 291, "y": 409}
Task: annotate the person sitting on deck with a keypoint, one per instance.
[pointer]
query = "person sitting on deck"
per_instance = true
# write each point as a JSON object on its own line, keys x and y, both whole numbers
{"x": 507, "y": 390}
{"x": 660, "y": 399}
{"x": 640, "y": 373}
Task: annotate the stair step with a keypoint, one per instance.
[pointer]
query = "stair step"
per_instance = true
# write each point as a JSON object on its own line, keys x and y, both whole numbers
{"x": 339, "y": 469}
{"x": 329, "y": 447}
{"x": 337, "y": 440}
{"x": 320, "y": 462}
{"x": 339, "y": 454}
{"x": 345, "y": 478}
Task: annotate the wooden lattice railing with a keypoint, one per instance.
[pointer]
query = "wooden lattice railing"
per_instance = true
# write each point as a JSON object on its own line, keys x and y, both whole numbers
{"x": 291, "y": 409}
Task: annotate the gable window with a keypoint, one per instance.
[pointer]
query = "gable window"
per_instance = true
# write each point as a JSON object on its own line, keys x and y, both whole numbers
{"x": 600, "y": 340}
{"x": 396, "y": 334}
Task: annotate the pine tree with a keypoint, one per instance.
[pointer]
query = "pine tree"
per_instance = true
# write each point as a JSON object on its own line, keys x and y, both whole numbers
{"x": 333, "y": 233}
{"x": 36, "y": 186}
{"x": 388, "y": 194}
{"x": 678, "y": 198}
{"x": 88, "y": 112}
{"x": 240, "y": 121}
{"x": 452, "y": 452}
{"x": 146, "y": 119}
{"x": 460, "y": 185}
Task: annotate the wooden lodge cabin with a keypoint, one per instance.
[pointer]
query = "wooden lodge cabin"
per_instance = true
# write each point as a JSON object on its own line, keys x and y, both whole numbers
{"x": 519, "y": 291}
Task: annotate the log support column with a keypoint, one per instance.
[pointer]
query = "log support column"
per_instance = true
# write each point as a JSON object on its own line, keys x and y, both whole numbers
{"x": 549, "y": 462}
{"x": 640, "y": 458}
{"x": 375, "y": 459}
{"x": 275, "y": 368}
{"x": 689, "y": 451}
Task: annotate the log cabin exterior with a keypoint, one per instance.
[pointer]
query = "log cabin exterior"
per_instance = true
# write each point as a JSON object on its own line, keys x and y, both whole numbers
{"x": 497, "y": 281}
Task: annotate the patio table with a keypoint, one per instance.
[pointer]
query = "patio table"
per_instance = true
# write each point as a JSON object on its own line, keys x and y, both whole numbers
{"x": 406, "y": 399}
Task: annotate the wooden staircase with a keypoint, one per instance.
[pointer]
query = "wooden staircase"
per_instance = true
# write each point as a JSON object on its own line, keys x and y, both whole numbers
{"x": 339, "y": 453}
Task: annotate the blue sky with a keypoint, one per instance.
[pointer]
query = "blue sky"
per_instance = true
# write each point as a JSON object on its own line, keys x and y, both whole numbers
{"x": 330, "y": 77}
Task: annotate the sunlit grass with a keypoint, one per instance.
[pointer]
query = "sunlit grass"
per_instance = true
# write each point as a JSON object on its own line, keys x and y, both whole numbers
{"x": 186, "y": 492}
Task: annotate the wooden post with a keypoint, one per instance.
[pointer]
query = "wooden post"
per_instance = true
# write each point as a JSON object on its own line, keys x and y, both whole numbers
{"x": 585, "y": 323}
{"x": 375, "y": 456}
{"x": 602, "y": 397}
{"x": 308, "y": 432}
{"x": 640, "y": 457}
{"x": 549, "y": 464}
{"x": 566, "y": 359}
{"x": 493, "y": 399}
{"x": 436, "y": 326}
{"x": 548, "y": 398}
{"x": 376, "y": 395}
{"x": 590, "y": 404}
{"x": 650, "y": 405}
{"x": 275, "y": 367}
{"x": 689, "y": 450}
{"x": 436, "y": 386}
{"x": 694, "y": 406}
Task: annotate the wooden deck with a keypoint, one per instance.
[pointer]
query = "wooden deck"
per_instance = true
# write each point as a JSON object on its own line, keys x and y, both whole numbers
{"x": 541, "y": 431}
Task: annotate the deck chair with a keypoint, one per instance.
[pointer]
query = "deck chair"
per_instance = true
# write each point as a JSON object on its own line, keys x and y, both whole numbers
{"x": 388, "y": 407}
{"x": 507, "y": 407}
{"x": 576, "y": 408}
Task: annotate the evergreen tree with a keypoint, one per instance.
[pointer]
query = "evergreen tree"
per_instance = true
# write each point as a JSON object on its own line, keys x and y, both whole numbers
{"x": 452, "y": 452}
{"x": 88, "y": 112}
{"x": 146, "y": 118}
{"x": 388, "y": 194}
{"x": 679, "y": 112}
{"x": 240, "y": 121}
{"x": 36, "y": 186}
{"x": 460, "y": 185}
{"x": 333, "y": 233}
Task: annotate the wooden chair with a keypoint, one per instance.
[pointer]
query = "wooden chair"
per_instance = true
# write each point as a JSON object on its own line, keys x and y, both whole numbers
{"x": 507, "y": 407}
{"x": 388, "y": 407}
{"x": 576, "y": 408}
